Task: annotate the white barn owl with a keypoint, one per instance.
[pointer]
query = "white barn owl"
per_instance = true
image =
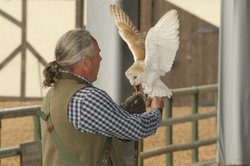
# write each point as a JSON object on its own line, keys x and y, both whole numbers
{"x": 153, "y": 56}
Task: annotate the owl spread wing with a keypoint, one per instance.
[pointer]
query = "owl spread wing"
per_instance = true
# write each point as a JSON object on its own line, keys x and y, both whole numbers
{"x": 162, "y": 42}
{"x": 129, "y": 33}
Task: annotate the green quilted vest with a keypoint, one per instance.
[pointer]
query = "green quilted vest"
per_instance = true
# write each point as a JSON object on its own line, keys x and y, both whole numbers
{"x": 88, "y": 148}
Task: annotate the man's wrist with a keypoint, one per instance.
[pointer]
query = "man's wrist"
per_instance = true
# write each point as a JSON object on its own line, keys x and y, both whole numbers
{"x": 157, "y": 108}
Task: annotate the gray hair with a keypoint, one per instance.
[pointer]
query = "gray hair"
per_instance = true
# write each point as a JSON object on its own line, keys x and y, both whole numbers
{"x": 70, "y": 49}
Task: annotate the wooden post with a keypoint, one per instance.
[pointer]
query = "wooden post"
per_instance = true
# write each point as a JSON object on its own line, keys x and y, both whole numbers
{"x": 169, "y": 137}
{"x": 79, "y": 13}
{"x": 23, "y": 51}
{"x": 0, "y": 138}
{"x": 139, "y": 150}
{"x": 145, "y": 15}
{"x": 195, "y": 153}
{"x": 37, "y": 128}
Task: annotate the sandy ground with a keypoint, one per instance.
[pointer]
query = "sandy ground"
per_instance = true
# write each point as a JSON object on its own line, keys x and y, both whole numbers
{"x": 20, "y": 130}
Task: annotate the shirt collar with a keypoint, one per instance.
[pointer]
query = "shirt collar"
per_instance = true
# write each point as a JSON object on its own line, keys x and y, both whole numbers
{"x": 80, "y": 77}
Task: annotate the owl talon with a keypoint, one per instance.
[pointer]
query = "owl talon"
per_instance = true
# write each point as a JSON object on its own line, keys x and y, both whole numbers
{"x": 136, "y": 89}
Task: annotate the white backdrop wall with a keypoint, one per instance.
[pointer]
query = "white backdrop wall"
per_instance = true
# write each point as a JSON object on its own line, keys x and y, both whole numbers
{"x": 115, "y": 52}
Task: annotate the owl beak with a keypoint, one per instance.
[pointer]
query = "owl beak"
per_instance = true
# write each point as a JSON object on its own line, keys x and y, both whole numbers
{"x": 137, "y": 88}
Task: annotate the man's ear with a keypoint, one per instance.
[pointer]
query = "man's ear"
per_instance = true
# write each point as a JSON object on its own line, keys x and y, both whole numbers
{"x": 86, "y": 61}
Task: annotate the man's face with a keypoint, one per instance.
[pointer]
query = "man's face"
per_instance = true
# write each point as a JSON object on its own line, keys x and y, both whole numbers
{"x": 95, "y": 61}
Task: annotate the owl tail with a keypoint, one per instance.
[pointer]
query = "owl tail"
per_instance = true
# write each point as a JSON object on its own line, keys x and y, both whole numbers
{"x": 160, "y": 90}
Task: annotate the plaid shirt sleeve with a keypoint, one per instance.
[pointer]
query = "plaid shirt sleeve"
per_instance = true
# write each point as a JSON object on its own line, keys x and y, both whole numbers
{"x": 92, "y": 110}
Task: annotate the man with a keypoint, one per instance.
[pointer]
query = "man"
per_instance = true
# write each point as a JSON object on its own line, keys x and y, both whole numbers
{"x": 84, "y": 125}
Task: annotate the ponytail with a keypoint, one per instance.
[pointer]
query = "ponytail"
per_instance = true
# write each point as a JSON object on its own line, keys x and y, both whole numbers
{"x": 51, "y": 73}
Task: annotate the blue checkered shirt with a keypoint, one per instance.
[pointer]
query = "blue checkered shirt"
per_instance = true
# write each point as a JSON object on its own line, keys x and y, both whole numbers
{"x": 92, "y": 110}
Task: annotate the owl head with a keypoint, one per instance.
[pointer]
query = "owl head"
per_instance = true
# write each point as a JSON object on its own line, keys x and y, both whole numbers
{"x": 134, "y": 73}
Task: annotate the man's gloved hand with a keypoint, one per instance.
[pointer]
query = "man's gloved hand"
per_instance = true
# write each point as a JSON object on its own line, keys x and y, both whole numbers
{"x": 134, "y": 104}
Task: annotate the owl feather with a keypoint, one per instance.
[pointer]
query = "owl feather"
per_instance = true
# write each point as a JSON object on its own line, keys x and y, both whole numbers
{"x": 129, "y": 33}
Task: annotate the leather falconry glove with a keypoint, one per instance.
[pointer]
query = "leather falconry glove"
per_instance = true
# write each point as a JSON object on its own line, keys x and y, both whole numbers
{"x": 134, "y": 104}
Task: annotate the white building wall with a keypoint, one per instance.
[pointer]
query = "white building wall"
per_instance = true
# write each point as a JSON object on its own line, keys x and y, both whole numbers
{"x": 47, "y": 20}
